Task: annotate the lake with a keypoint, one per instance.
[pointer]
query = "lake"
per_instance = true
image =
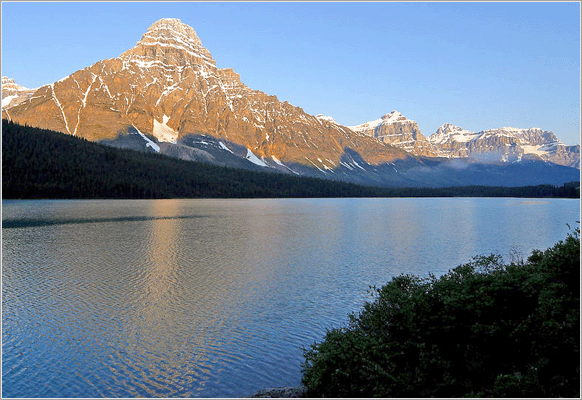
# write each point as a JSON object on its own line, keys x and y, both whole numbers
{"x": 216, "y": 298}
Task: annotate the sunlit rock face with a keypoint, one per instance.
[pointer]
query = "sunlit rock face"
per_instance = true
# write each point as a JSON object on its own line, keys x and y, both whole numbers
{"x": 168, "y": 86}
{"x": 397, "y": 130}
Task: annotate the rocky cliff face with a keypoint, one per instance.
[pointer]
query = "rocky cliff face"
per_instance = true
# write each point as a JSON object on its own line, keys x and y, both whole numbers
{"x": 505, "y": 144}
{"x": 397, "y": 130}
{"x": 168, "y": 87}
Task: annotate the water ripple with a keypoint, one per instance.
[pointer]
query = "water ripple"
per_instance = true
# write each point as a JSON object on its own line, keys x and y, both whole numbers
{"x": 214, "y": 298}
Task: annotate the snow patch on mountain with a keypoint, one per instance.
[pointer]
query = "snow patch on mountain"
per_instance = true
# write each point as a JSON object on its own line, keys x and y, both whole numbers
{"x": 6, "y": 100}
{"x": 223, "y": 147}
{"x": 277, "y": 161}
{"x": 149, "y": 143}
{"x": 254, "y": 159}
{"x": 163, "y": 132}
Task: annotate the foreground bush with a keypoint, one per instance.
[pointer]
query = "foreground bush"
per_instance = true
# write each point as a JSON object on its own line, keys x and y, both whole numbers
{"x": 485, "y": 329}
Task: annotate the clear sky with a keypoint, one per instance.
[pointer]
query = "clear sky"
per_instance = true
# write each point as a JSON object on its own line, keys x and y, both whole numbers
{"x": 478, "y": 65}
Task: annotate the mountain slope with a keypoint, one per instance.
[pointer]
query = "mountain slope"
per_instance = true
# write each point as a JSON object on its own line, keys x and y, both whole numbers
{"x": 168, "y": 86}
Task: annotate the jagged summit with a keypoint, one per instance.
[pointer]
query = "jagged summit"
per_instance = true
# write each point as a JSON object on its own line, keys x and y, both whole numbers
{"x": 171, "y": 27}
{"x": 448, "y": 127}
{"x": 325, "y": 118}
{"x": 393, "y": 117}
{"x": 504, "y": 144}
{"x": 172, "y": 43}
{"x": 171, "y": 30}
{"x": 447, "y": 132}
{"x": 9, "y": 84}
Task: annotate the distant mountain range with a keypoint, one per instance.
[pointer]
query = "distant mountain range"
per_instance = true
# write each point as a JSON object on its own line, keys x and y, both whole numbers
{"x": 503, "y": 144}
{"x": 166, "y": 95}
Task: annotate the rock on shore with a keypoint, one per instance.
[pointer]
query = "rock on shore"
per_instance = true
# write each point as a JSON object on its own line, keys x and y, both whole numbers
{"x": 281, "y": 392}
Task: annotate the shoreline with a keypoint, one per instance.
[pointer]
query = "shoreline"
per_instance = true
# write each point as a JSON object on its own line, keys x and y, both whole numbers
{"x": 281, "y": 392}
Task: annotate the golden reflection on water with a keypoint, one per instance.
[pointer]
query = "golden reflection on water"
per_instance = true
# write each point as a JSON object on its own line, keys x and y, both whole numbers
{"x": 159, "y": 316}
{"x": 160, "y": 279}
{"x": 183, "y": 310}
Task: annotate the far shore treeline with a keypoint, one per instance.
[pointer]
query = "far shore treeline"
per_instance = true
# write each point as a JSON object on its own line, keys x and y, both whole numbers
{"x": 42, "y": 164}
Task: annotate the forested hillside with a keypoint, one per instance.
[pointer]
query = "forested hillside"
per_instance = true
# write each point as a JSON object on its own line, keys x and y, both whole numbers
{"x": 38, "y": 163}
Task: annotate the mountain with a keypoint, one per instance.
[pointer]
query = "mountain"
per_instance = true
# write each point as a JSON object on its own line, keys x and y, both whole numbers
{"x": 13, "y": 93}
{"x": 168, "y": 89}
{"x": 506, "y": 144}
{"x": 397, "y": 130}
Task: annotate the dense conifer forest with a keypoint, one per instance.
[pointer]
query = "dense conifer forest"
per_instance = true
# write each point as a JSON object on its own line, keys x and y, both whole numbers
{"x": 38, "y": 163}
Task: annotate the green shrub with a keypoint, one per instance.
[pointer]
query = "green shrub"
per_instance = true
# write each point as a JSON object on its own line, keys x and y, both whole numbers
{"x": 484, "y": 329}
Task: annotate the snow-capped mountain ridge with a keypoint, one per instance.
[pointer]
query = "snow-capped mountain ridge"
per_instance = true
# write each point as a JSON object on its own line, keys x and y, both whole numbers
{"x": 449, "y": 132}
{"x": 9, "y": 84}
{"x": 326, "y": 118}
{"x": 508, "y": 143}
{"x": 451, "y": 141}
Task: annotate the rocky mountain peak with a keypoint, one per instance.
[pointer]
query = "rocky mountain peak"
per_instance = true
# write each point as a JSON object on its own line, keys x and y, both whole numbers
{"x": 504, "y": 144}
{"x": 451, "y": 133}
{"x": 172, "y": 29}
{"x": 10, "y": 84}
{"x": 325, "y": 118}
{"x": 172, "y": 43}
{"x": 397, "y": 130}
{"x": 393, "y": 116}
{"x": 371, "y": 127}
{"x": 447, "y": 128}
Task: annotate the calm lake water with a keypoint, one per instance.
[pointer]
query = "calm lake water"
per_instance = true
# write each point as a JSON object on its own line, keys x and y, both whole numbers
{"x": 215, "y": 298}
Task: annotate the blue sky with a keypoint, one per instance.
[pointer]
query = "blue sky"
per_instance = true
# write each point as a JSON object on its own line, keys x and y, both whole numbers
{"x": 476, "y": 65}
